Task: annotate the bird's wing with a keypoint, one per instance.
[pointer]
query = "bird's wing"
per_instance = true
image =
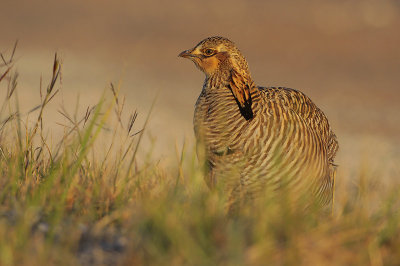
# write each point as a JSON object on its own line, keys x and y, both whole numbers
{"x": 288, "y": 142}
{"x": 281, "y": 148}
{"x": 314, "y": 117}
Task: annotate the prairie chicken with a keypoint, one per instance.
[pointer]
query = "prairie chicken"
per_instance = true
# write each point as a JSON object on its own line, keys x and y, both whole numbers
{"x": 256, "y": 138}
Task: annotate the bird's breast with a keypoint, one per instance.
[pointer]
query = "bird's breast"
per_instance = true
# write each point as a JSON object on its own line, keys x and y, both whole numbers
{"x": 217, "y": 120}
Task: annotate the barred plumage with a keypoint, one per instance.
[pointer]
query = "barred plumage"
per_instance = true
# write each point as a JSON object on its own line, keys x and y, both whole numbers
{"x": 256, "y": 138}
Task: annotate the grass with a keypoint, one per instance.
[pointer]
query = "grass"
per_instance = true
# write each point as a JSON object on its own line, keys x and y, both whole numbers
{"x": 64, "y": 204}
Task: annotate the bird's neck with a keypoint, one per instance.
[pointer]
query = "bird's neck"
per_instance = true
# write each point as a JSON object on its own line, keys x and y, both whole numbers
{"x": 222, "y": 78}
{"x": 216, "y": 81}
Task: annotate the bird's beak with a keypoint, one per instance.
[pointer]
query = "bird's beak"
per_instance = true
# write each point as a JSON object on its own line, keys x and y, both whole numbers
{"x": 187, "y": 54}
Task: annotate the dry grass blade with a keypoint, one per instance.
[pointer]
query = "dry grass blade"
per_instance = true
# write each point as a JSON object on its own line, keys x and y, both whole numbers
{"x": 180, "y": 157}
{"x": 13, "y": 52}
{"x": 131, "y": 121}
{"x": 63, "y": 112}
{"x": 88, "y": 113}
{"x": 49, "y": 94}
{"x": 52, "y": 96}
{"x": 114, "y": 93}
{"x": 5, "y": 74}
{"x": 3, "y": 59}
{"x": 63, "y": 125}
{"x": 13, "y": 85}
{"x": 34, "y": 109}
{"x": 118, "y": 107}
{"x": 75, "y": 124}
{"x": 9, "y": 61}
{"x": 138, "y": 132}
{"x": 140, "y": 138}
{"x": 8, "y": 119}
{"x": 55, "y": 76}
{"x": 40, "y": 88}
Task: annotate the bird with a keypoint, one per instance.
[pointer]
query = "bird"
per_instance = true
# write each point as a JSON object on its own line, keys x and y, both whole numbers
{"x": 254, "y": 140}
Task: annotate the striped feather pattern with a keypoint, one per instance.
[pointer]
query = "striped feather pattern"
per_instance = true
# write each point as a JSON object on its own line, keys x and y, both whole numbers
{"x": 288, "y": 141}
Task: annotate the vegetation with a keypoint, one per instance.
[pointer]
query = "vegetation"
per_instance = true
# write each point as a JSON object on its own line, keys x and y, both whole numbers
{"x": 64, "y": 204}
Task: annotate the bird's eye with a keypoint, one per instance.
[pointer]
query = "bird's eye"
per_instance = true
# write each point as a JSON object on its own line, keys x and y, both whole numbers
{"x": 208, "y": 52}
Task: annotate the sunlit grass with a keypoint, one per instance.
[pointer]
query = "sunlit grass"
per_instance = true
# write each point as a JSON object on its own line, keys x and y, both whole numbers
{"x": 63, "y": 204}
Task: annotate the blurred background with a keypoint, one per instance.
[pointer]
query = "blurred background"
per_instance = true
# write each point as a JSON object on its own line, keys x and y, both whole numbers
{"x": 345, "y": 55}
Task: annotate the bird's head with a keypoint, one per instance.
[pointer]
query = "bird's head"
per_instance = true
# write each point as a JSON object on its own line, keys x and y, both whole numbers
{"x": 216, "y": 55}
{"x": 224, "y": 66}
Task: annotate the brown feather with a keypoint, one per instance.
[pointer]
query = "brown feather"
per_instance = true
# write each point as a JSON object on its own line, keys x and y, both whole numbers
{"x": 240, "y": 88}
